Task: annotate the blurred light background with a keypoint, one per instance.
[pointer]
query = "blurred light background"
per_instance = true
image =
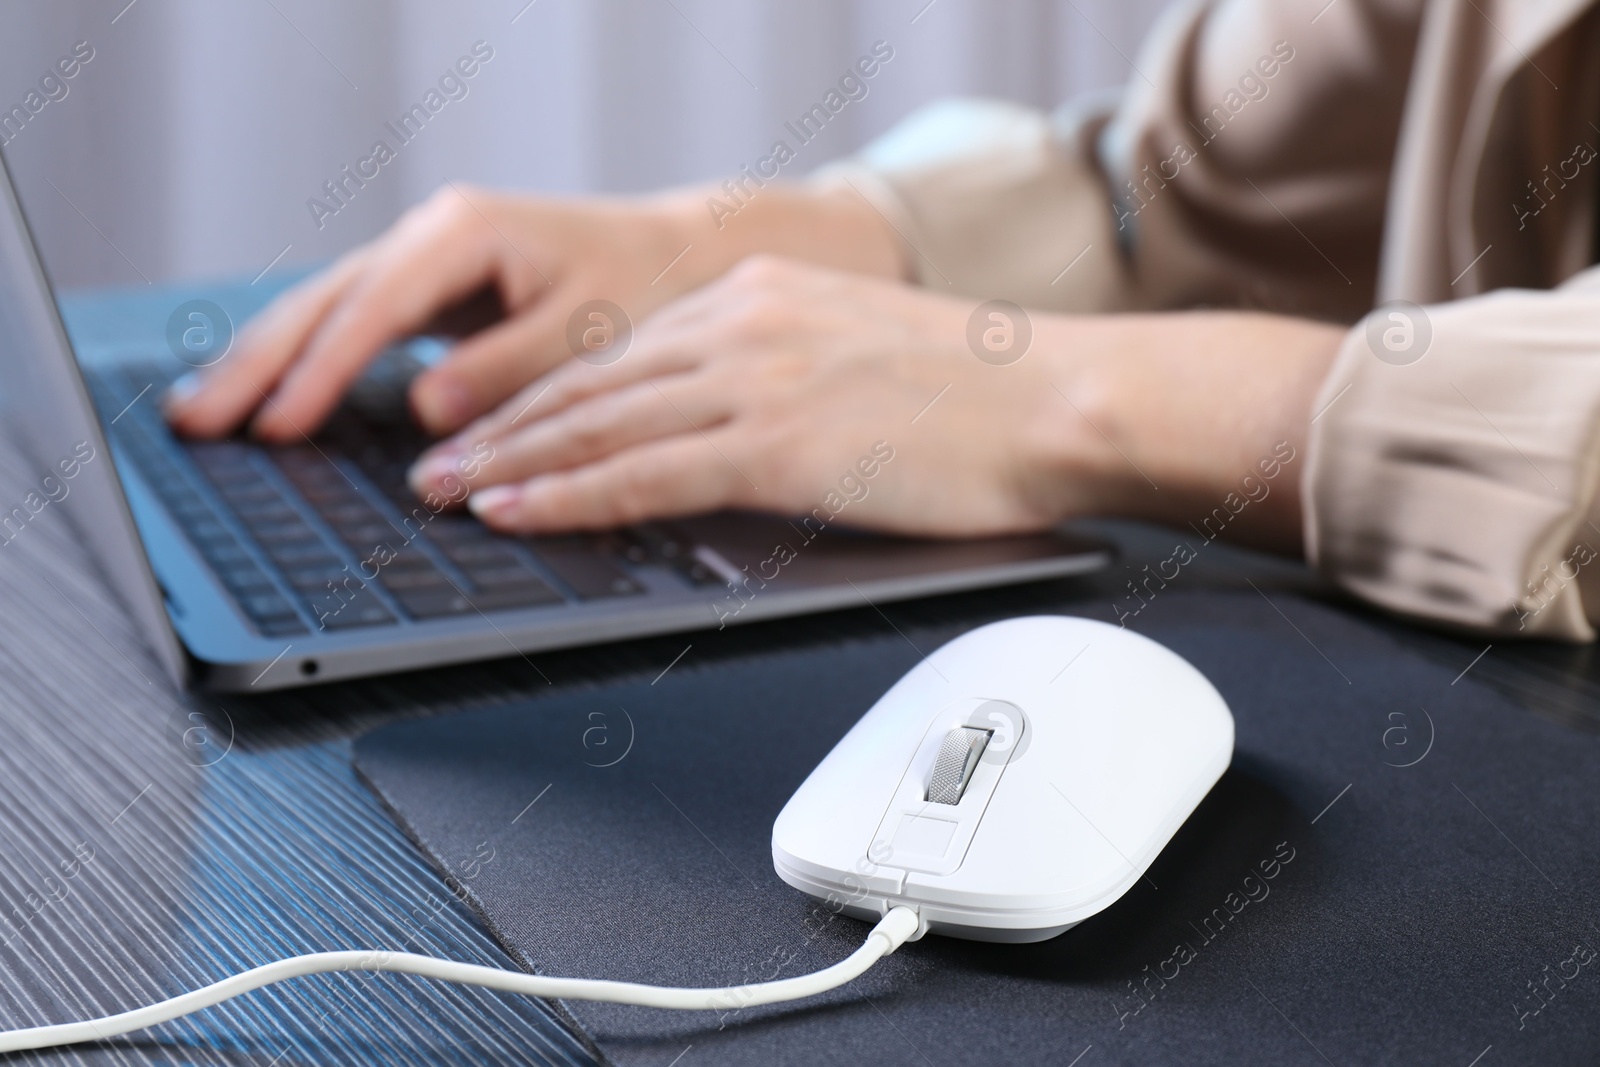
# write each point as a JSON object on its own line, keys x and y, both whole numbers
{"x": 190, "y": 144}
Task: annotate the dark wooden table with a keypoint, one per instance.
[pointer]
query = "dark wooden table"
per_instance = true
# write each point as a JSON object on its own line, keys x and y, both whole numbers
{"x": 152, "y": 841}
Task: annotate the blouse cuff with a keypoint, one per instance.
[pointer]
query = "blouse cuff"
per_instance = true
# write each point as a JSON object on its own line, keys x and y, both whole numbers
{"x": 996, "y": 201}
{"x": 1453, "y": 468}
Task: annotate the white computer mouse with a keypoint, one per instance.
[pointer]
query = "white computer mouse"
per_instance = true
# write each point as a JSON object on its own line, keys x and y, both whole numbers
{"x": 1015, "y": 782}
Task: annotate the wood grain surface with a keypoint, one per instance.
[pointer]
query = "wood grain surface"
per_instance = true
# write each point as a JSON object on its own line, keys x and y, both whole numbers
{"x": 153, "y": 841}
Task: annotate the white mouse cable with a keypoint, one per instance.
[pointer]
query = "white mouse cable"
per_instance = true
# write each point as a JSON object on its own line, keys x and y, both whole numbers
{"x": 892, "y": 931}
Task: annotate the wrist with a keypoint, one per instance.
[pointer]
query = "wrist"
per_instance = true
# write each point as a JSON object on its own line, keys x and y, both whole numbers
{"x": 1076, "y": 442}
{"x": 1180, "y": 414}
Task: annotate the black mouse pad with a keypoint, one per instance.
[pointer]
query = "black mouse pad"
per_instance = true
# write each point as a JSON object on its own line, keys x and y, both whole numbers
{"x": 1398, "y": 867}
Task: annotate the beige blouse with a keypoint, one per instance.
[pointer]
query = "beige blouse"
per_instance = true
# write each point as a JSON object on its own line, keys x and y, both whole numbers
{"x": 1326, "y": 159}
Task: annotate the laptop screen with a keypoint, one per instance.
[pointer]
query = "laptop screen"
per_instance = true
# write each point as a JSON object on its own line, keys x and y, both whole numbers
{"x": 49, "y": 412}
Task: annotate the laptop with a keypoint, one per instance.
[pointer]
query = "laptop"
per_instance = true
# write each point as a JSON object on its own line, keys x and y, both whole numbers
{"x": 254, "y": 568}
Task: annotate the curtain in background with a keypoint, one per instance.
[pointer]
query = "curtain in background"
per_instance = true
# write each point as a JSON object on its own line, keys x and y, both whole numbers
{"x": 193, "y": 140}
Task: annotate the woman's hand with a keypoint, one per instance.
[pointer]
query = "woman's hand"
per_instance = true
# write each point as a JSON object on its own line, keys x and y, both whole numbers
{"x": 781, "y": 385}
{"x": 768, "y": 388}
{"x": 541, "y": 258}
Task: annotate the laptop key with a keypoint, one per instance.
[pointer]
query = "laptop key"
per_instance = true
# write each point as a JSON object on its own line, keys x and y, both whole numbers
{"x": 208, "y": 532}
{"x": 482, "y": 553}
{"x": 274, "y": 533}
{"x": 264, "y": 510}
{"x": 362, "y": 609}
{"x": 455, "y": 530}
{"x": 434, "y": 603}
{"x": 317, "y": 579}
{"x": 301, "y": 554}
{"x": 299, "y": 461}
{"x": 414, "y": 579}
{"x": 350, "y": 512}
{"x": 226, "y": 554}
{"x": 491, "y": 576}
{"x": 406, "y": 559}
{"x": 370, "y": 535}
{"x": 245, "y": 579}
{"x": 250, "y": 495}
{"x": 188, "y": 507}
{"x": 325, "y": 479}
{"x": 527, "y": 594}
{"x": 261, "y": 606}
{"x": 281, "y": 627}
{"x": 330, "y": 495}
{"x": 220, "y": 456}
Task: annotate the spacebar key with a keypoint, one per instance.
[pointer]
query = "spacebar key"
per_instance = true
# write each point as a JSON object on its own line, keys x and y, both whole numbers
{"x": 443, "y": 603}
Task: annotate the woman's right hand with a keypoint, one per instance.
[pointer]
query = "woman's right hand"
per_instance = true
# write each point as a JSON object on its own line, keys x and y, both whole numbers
{"x": 541, "y": 257}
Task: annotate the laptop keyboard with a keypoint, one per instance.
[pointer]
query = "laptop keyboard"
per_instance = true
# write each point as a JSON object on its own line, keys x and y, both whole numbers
{"x": 328, "y": 535}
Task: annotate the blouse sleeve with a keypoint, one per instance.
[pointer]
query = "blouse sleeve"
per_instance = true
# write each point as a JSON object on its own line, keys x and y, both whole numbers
{"x": 1245, "y": 164}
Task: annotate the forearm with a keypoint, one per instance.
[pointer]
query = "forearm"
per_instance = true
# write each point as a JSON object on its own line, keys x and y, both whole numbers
{"x": 1184, "y": 406}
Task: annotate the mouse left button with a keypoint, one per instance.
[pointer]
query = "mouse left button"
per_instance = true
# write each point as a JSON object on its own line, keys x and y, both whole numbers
{"x": 958, "y": 757}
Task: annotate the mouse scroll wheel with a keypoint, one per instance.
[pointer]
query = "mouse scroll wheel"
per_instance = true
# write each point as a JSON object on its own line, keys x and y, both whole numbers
{"x": 959, "y": 753}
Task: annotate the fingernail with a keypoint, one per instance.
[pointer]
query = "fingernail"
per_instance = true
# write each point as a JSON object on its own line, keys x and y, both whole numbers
{"x": 495, "y": 503}
{"x": 434, "y": 467}
{"x": 443, "y": 404}
{"x": 181, "y": 391}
